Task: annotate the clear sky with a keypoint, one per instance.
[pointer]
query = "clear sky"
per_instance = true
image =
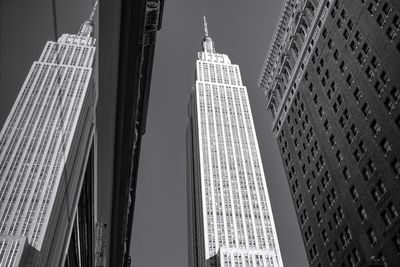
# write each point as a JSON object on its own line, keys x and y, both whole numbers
{"x": 240, "y": 29}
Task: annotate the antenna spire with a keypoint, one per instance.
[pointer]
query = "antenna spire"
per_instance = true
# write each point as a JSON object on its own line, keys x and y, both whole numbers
{"x": 91, "y": 17}
{"x": 205, "y": 27}
{"x": 208, "y": 44}
{"x": 87, "y": 27}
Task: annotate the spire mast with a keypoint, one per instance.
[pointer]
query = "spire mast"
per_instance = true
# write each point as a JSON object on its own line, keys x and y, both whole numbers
{"x": 87, "y": 26}
{"x": 91, "y": 17}
{"x": 208, "y": 44}
{"x": 205, "y": 27}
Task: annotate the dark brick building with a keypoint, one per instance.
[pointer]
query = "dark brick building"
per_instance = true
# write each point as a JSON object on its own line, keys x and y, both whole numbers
{"x": 331, "y": 79}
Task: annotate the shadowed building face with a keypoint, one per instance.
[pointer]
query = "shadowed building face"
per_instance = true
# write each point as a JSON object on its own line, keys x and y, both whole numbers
{"x": 332, "y": 86}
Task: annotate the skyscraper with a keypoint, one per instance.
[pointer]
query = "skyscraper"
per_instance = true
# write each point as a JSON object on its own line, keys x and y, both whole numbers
{"x": 332, "y": 85}
{"x": 47, "y": 159}
{"x": 230, "y": 220}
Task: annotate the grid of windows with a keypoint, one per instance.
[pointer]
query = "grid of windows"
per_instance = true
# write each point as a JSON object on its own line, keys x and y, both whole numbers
{"x": 37, "y": 136}
{"x": 342, "y": 78}
{"x": 237, "y": 216}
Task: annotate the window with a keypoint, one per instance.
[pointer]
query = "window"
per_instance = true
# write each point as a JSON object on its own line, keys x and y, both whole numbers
{"x": 357, "y": 35}
{"x": 396, "y": 167}
{"x": 374, "y": 62}
{"x": 342, "y": 66}
{"x": 386, "y": 148}
{"x": 365, "y": 48}
{"x": 316, "y": 99}
{"x": 368, "y": 72}
{"x": 362, "y": 213}
{"x": 343, "y": 14}
{"x": 346, "y": 173}
{"x": 339, "y": 156}
{"x": 326, "y": 125}
{"x": 321, "y": 112}
{"x": 332, "y": 140}
{"x": 372, "y": 237}
{"x": 384, "y": 77}
{"x": 353, "y": 45}
{"x": 335, "y": 107}
{"x": 386, "y": 218}
{"x": 339, "y": 23}
{"x": 330, "y": 43}
{"x": 357, "y": 154}
{"x": 346, "y": 34}
{"x": 357, "y": 94}
{"x": 366, "y": 110}
{"x": 344, "y": 118}
{"x": 330, "y": 255}
{"x": 375, "y": 195}
{"x": 389, "y": 104}
{"x": 381, "y": 187}
{"x": 368, "y": 170}
{"x": 395, "y": 94}
{"x": 386, "y": 9}
{"x": 354, "y": 257}
{"x": 354, "y": 192}
{"x": 350, "y": 24}
{"x": 360, "y": 58}
{"x": 378, "y": 88}
{"x": 311, "y": 87}
{"x": 319, "y": 218}
{"x": 336, "y": 54}
{"x": 349, "y": 79}
{"x": 349, "y": 137}
{"x": 392, "y": 210}
{"x": 308, "y": 183}
{"x": 380, "y": 20}
{"x": 353, "y": 129}
{"x": 314, "y": 200}
{"x": 396, "y": 21}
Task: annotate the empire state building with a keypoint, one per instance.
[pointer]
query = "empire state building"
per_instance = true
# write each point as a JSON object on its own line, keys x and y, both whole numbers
{"x": 230, "y": 221}
{"x": 47, "y": 159}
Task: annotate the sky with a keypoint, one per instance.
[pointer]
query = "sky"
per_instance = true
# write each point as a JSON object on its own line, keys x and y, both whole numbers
{"x": 240, "y": 29}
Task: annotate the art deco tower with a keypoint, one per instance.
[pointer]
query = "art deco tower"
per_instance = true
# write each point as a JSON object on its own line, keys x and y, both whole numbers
{"x": 47, "y": 159}
{"x": 331, "y": 79}
{"x": 230, "y": 220}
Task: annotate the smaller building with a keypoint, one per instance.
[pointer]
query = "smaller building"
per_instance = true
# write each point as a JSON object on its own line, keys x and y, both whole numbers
{"x": 332, "y": 85}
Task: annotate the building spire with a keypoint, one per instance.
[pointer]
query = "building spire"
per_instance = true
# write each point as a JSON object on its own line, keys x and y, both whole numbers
{"x": 87, "y": 27}
{"x": 91, "y": 17}
{"x": 205, "y": 27}
{"x": 208, "y": 44}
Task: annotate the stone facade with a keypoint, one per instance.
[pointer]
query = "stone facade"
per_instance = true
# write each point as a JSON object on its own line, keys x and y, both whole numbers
{"x": 332, "y": 85}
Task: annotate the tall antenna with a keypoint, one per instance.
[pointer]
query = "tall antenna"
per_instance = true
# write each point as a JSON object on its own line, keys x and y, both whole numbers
{"x": 91, "y": 17}
{"x": 205, "y": 27}
{"x": 87, "y": 27}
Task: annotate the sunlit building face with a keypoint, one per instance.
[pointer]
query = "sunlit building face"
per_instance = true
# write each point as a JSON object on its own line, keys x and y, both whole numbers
{"x": 230, "y": 218}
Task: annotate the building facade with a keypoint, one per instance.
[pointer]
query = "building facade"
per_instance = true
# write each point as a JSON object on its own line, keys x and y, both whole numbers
{"x": 230, "y": 220}
{"x": 47, "y": 159}
{"x": 332, "y": 85}
{"x": 125, "y": 73}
